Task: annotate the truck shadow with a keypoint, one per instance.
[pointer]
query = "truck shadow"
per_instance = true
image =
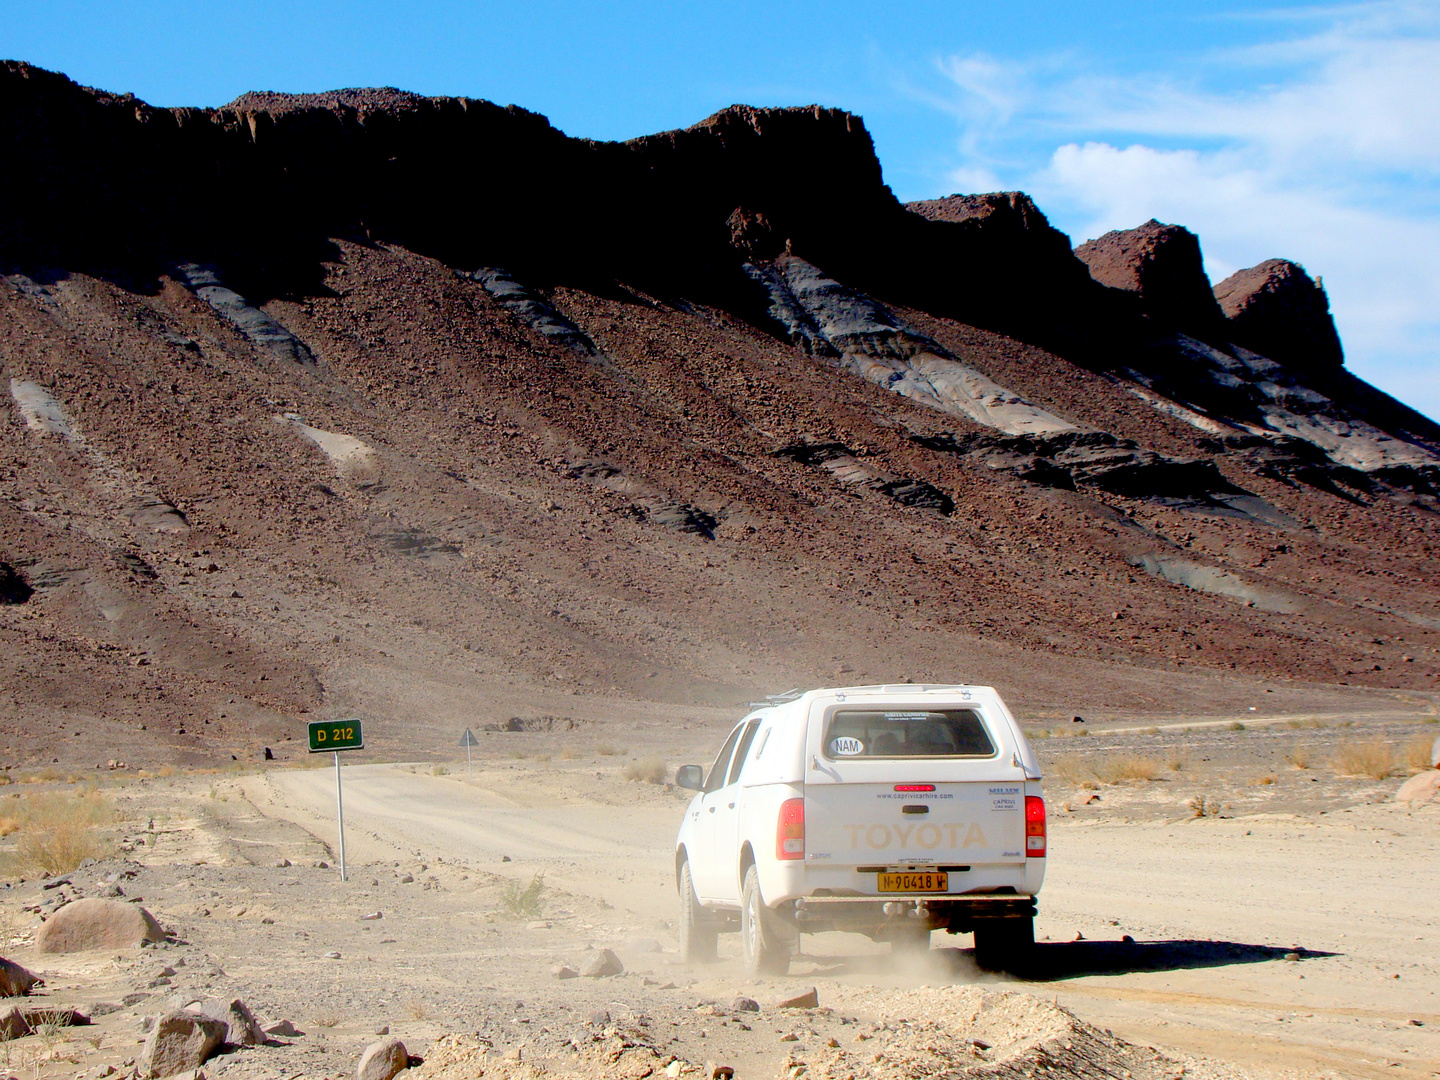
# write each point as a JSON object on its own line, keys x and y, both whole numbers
{"x": 1054, "y": 960}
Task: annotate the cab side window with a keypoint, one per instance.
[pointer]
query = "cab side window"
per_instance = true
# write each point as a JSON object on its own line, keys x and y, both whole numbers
{"x": 743, "y": 749}
{"x": 716, "y": 779}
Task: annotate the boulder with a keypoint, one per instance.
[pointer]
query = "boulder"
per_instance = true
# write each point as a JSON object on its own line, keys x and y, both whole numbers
{"x": 179, "y": 1041}
{"x": 16, "y": 981}
{"x": 284, "y": 1030}
{"x": 382, "y": 1060}
{"x": 1162, "y": 266}
{"x": 241, "y": 1028}
{"x": 13, "y": 1024}
{"x": 95, "y": 923}
{"x": 1420, "y": 789}
{"x": 600, "y": 964}
{"x": 1279, "y": 311}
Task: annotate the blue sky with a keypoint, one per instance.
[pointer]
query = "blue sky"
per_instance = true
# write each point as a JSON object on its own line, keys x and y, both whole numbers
{"x": 1304, "y": 131}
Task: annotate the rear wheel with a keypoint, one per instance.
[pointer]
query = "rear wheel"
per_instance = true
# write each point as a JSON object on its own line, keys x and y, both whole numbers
{"x": 1004, "y": 944}
{"x": 697, "y": 938}
{"x": 764, "y": 949}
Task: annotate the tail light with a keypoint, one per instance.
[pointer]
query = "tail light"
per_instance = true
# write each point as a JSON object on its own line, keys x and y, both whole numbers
{"x": 1034, "y": 826}
{"x": 790, "y": 830}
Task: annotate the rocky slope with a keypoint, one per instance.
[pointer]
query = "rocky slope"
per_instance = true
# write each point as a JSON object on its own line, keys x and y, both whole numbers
{"x": 417, "y": 408}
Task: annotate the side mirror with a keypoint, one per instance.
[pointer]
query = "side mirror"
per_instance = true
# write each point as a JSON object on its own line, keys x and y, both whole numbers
{"x": 689, "y": 776}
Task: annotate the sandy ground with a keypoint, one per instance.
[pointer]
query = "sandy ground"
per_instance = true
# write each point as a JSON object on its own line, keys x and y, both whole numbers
{"x": 1317, "y": 864}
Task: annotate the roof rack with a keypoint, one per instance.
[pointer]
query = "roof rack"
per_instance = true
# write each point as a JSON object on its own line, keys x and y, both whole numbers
{"x": 771, "y": 700}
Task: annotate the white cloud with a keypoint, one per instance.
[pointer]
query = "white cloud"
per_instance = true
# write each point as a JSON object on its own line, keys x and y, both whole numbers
{"x": 1322, "y": 147}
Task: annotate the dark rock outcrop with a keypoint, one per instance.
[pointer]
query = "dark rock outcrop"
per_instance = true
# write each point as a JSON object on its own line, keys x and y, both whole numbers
{"x": 1278, "y": 310}
{"x": 1162, "y": 266}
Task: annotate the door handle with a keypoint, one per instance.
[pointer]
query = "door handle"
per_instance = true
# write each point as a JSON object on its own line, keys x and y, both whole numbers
{"x": 732, "y": 806}
{"x": 712, "y": 809}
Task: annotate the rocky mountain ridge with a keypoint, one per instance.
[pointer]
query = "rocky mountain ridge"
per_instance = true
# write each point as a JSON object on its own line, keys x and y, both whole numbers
{"x": 419, "y": 408}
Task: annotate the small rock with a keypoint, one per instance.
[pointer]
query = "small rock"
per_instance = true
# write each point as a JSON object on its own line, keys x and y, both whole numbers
{"x": 540, "y": 924}
{"x": 1126, "y": 939}
{"x": 832, "y": 1042}
{"x": 744, "y": 1004}
{"x": 383, "y": 1029}
{"x": 372, "y": 916}
{"x": 979, "y": 1044}
{"x": 506, "y": 858}
{"x": 673, "y": 1069}
{"x": 104, "y": 1008}
{"x": 598, "y": 1018}
{"x": 134, "y": 999}
{"x": 1417, "y": 1023}
{"x": 643, "y": 945}
{"x": 382, "y": 1060}
{"x": 321, "y": 864}
{"x": 16, "y": 981}
{"x": 564, "y": 971}
{"x": 789, "y": 1036}
{"x": 1292, "y": 956}
{"x": 407, "y": 879}
{"x": 810, "y": 999}
{"x": 718, "y": 1072}
{"x": 602, "y": 964}
{"x": 1078, "y": 936}
{"x": 13, "y": 1024}
{"x": 332, "y": 956}
{"x": 286, "y": 1030}
{"x": 96, "y": 923}
{"x": 281, "y": 864}
{"x": 179, "y": 1041}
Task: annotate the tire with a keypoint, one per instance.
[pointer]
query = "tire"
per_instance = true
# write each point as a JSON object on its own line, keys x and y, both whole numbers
{"x": 1004, "y": 944}
{"x": 763, "y": 949}
{"x": 697, "y": 938}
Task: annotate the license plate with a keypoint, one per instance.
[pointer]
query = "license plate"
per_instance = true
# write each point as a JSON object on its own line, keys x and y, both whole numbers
{"x": 915, "y": 881}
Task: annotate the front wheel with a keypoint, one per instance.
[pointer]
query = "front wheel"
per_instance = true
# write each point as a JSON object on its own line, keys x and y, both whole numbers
{"x": 697, "y": 939}
{"x": 764, "y": 950}
{"x": 1004, "y": 944}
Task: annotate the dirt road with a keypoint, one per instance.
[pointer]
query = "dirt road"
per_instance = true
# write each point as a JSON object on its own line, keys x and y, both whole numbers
{"x": 1214, "y": 905}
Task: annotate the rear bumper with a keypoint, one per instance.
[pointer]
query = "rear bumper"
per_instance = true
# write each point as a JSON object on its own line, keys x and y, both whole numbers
{"x": 879, "y": 916}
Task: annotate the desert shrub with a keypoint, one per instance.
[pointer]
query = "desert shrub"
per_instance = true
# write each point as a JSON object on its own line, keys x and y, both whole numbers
{"x": 1298, "y": 756}
{"x": 1417, "y": 753}
{"x": 1265, "y": 781}
{"x": 1151, "y": 731}
{"x": 1070, "y": 770}
{"x": 1176, "y": 763}
{"x": 568, "y": 754}
{"x": 650, "y": 769}
{"x": 439, "y": 770}
{"x": 8, "y": 825}
{"x": 59, "y": 830}
{"x": 1374, "y": 759}
{"x": 542, "y": 758}
{"x": 1127, "y": 767}
{"x": 1204, "y": 806}
{"x": 524, "y": 903}
{"x": 606, "y": 750}
{"x": 5, "y": 780}
{"x": 1235, "y": 725}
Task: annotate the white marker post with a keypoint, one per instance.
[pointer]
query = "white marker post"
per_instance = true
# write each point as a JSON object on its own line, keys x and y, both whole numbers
{"x": 340, "y": 814}
{"x": 334, "y": 736}
{"x": 468, "y": 740}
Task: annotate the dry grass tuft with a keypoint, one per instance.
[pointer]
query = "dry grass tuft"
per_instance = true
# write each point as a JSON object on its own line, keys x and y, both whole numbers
{"x": 58, "y": 830}
{"x": 5, "y": 780}
{"x": 524, "y": 903}
{"x": 439, "y": 770}
{"x": 1070, "y": 770}
{"x": 165, "y": 771}
{"x": 8, "y": 825}
{"x": 1374, "y": 759}
{"x": 1299, "y": 756}
{"x": 1235, "y": 725}
{"x": 568, "y": 754}
{"x": 606, "y": 750}
{"x": 1417, "y": 753}
{"x": 1129, "y": 767}
{"x": 1265, "y": 781}
{"x": 650, "y": 769}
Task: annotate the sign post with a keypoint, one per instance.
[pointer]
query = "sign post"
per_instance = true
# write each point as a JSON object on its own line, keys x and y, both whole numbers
{"x": 332, "y": 736}
{"x": 468, "y": 740}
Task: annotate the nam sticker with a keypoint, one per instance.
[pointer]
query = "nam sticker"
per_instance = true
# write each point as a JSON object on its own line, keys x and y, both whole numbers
{"x": 846, "y": 746}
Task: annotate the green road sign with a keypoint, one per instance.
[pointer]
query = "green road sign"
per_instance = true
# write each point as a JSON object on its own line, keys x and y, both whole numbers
{"x": 336, "y": 735}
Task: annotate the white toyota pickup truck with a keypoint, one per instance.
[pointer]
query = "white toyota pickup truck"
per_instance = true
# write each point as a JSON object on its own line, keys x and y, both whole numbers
{"x": 887, "y": 810}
